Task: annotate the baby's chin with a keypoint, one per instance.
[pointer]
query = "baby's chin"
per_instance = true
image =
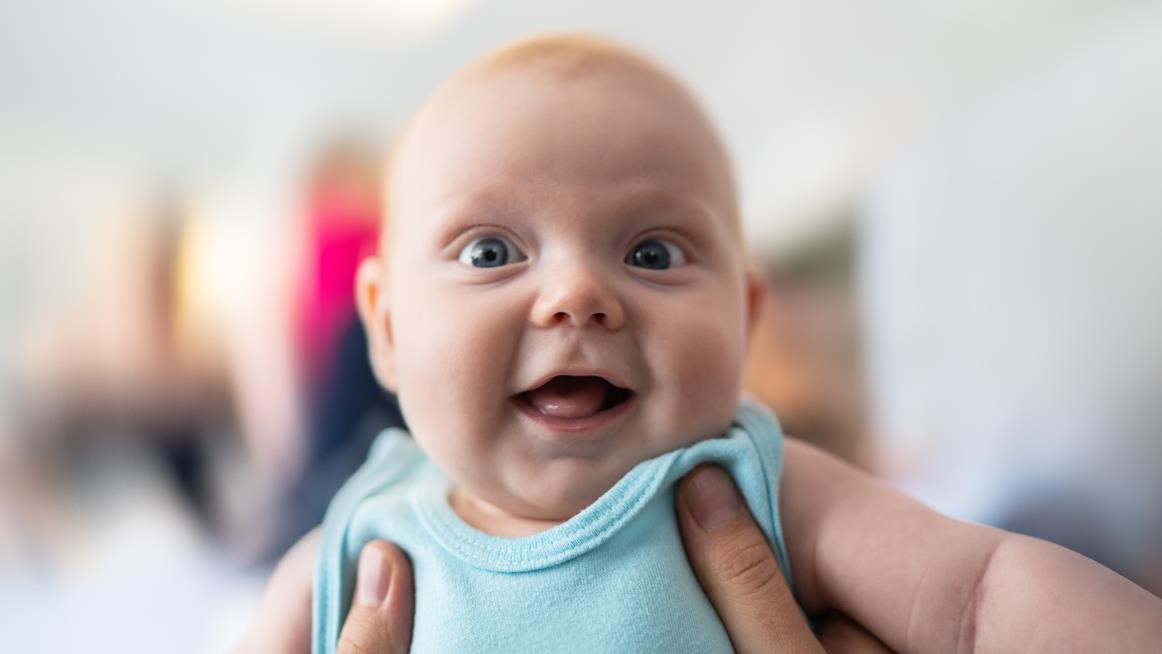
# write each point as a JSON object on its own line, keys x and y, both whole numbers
{"x": 511, "y": 518}
{"x": 558, "y": 501}
{"x": 536, "y": 506}
{"x": 546, "y": 493}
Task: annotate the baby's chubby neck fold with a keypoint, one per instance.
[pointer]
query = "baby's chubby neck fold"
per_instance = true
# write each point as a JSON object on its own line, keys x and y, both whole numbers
{"x": 495, "y": 521}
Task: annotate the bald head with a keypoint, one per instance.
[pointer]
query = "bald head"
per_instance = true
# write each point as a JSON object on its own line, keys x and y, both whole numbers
{"x": 566, "y": 56}
{"x": 596, "y": 86}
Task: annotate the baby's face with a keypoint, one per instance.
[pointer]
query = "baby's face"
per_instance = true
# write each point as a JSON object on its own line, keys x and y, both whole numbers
{"x": 566, "y": 293}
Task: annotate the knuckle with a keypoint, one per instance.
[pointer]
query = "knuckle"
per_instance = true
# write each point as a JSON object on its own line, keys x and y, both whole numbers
{"x": 750, "y": 569}
{"x": 358, "y": 637}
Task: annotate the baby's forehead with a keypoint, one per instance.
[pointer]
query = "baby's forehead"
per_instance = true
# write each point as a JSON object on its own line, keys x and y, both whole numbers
{"x": 563, "y": 64}
{"x": 555, "y": 83}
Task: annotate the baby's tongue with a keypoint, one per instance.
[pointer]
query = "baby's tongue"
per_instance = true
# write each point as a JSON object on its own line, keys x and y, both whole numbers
{"x": 569, "y": 397}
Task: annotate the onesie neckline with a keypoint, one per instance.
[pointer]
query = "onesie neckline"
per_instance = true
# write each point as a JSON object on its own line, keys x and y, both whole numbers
{"x": 583, "y": 532}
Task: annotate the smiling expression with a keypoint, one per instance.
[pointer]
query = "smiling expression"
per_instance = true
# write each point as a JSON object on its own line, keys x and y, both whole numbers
{"x": 565, "y": 293}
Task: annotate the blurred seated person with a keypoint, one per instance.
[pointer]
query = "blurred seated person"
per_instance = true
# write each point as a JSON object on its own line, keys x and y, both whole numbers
{"x": 130, "y": 360}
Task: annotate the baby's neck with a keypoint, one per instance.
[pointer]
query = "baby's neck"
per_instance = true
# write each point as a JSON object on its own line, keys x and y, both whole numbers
{"x": 494, "y": 520}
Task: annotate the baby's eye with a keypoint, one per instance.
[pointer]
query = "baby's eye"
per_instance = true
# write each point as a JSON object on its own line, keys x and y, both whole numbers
{"x": 657, "y": 254}
{"x": 490, "y": 252}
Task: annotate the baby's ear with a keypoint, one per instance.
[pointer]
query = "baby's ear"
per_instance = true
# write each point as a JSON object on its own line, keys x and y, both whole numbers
{"x": 371, "y": 299}
{"x": 756, "y": 290}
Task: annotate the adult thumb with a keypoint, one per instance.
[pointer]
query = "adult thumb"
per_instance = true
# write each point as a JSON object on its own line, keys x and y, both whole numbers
{"x": 382, "y": 610}
{"x": 736, "y": 567}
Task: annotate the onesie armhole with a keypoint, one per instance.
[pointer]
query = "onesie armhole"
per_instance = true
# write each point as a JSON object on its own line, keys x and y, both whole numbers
{"x": 392, "y": 455}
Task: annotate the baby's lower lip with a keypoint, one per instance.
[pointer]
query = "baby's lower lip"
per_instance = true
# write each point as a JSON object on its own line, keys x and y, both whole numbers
{"x": 575, "y": 426}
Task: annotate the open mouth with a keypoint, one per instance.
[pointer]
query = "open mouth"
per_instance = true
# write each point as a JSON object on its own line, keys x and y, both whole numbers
{"x": 570, "y": 398}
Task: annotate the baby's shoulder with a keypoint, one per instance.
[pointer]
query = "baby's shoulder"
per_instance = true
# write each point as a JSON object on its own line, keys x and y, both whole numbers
{"x": 394, "y": 464}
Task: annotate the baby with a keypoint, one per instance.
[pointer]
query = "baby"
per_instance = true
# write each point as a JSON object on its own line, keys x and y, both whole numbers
{"x": 563, "y": 306}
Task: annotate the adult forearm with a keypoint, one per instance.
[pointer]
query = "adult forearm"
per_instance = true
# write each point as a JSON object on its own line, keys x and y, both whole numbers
{"x": 922, "y": 582}
{"x": 1037, "y": 597}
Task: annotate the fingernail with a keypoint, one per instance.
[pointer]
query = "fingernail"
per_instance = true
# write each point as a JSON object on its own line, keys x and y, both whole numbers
{"x": 372, "y": 578}
{"x": 712, "y": 498}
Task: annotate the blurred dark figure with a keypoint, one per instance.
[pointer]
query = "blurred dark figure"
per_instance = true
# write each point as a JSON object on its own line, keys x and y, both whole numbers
{"x": 345, "y": 406}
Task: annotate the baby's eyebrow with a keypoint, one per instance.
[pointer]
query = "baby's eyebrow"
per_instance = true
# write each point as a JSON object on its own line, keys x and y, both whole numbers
{"x": 673, "y": 205}
{"x": 461, "y": 210}
{"x": 664, "y": 200}
{"x": 631, "y": 201}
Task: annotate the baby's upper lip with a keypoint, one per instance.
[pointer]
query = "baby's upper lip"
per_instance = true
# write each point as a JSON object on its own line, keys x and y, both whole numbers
{"x": 612, "y": 379}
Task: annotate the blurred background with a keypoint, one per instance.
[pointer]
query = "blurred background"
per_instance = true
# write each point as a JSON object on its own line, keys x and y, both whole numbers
{"x": 955, "y": 205}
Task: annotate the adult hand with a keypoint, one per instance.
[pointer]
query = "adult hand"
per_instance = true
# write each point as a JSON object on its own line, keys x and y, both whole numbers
{"x": 380, "y": 619}
{"x": 738, "y": 571}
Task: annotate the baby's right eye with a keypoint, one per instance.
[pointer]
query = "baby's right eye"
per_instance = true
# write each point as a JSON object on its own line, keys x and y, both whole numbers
{"x": 490, "y": 252}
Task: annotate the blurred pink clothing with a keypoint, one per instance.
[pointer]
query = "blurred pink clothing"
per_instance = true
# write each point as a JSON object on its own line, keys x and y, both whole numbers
{"x": 339, "y": 233}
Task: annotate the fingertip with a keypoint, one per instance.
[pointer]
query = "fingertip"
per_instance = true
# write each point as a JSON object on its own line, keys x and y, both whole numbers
{"x": 373, "y": 576}
{"x": 393, "y": 554}
{"x": 384, "y": 580}
{"x": 381, "y": 615}
{"x": 710, "y": 497}
{"x": 399, "y": 610}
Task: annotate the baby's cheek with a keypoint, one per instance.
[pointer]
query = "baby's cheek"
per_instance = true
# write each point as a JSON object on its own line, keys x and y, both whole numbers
{"x": 707, "y": 370}
{"x": 455, "y": 354}
{"x": 427, "y": 361}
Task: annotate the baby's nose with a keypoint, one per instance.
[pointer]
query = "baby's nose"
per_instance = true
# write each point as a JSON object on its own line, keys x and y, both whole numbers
{"x": 579, "y": 298}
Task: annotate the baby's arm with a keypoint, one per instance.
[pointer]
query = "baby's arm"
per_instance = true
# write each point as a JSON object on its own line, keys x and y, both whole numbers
{"x": 924, "y": 582}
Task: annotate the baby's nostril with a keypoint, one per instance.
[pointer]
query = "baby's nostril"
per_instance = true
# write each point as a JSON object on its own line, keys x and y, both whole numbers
{"x": 564, "y": 316}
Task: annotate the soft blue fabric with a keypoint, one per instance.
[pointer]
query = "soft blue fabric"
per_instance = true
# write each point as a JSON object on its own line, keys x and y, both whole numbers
{"x": 614, "y": 578}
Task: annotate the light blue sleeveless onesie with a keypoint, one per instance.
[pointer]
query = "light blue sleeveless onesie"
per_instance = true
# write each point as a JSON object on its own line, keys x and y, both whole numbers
{"x": 613, "y": 578}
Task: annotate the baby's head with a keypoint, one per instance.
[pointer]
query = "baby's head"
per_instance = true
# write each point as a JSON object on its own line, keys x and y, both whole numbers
{"x": 564, "y": 291}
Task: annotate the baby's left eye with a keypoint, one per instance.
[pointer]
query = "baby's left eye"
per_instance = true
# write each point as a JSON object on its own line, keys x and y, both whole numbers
{"x": 656, "y": 254}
